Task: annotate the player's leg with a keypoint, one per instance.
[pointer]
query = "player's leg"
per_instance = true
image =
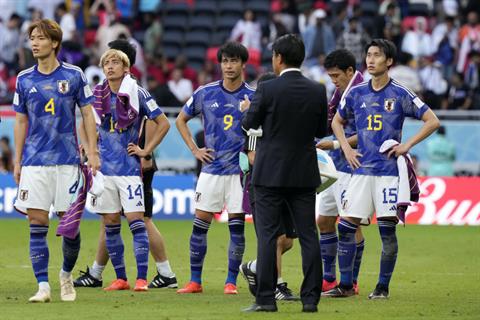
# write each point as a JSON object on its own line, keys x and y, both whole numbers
{"x": 386, "y": 211}
{"x": 236, "y": 226}
{"x": 357, "y": 205}
{"x": 360, "y": 241}
{"x": 283, "y": 292}
{"x": 329, "y": 248}
{"x": 208, "y": 199}
{"x": 165, "y": 277}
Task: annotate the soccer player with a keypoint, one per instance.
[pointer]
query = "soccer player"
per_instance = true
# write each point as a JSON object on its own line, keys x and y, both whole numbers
{"x": 121, "y": 106}
{"x": 341, "y": 68}
{"x": 219, "y": 182}
{"x": 47, "y": 158}
{"x": 379, "y": 107}
{"x": 165, "y": 277}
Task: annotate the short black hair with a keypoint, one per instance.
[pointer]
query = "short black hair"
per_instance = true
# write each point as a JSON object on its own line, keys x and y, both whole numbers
{"x": 126, "y": 47}
{"x": 386, "y": 46}
{"x": 404, "y": 57}
{"x": 232, "y": 49}
{"x": 341, "y": 59}
{"x": 291, "y": 48}
{"x": 266, "y": 76}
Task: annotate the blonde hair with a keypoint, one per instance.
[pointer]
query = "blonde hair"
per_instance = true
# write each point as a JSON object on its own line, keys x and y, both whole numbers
{"x": 114, "y": 53}
{"x": 50, "y": 29}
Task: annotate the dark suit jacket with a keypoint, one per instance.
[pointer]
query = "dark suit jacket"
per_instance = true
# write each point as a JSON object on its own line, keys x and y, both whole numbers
{"x": 292, "y": 111}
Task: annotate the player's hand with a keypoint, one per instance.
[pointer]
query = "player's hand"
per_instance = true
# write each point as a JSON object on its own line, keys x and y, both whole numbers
{"x": 352, "y": 156}
{"x": 325, "y": 145}
{"x": 17, "y": 169}
{"x": 134, "y": 149}
{"x": 244, "y": 104}
{"x": 204, "y": 155}
{"x": 93, "y": 162}
{"x": 398, "y": 150}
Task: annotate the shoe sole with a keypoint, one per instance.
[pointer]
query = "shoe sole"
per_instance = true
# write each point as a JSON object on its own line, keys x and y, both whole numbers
{"x": 170, "y": 286}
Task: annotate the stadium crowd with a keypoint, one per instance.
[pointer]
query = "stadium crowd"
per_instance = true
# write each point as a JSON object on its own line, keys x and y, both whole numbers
{"x": 439, "y": 40}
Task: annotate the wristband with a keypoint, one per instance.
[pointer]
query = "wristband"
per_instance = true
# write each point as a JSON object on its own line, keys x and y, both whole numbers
{"x": 336, "y": 144}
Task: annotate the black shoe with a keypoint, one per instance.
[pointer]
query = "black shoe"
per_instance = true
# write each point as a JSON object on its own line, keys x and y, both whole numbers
{"x": 284, "y": 293}
{"x": 87, "y": 280}
{"x": 339, "y": 292}
{"x": 163, "y": 282}
{"x": 261, "y": 308}
{"x": 251, "y": 277}
{"x": 309, "y": 308}
{"x": 380, "y": 292}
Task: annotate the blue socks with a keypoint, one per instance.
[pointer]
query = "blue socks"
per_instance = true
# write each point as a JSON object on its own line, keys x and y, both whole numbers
{"x": 140, "y": 247}
{"x": 329, "y": 247}
{"x": 39, "y": 251}
{"x": 346, "y": 251}
{"x": 70, "y": 249}
{"x": 358, "y": 259}
{"x": 236, "y": 247}
{"x": 115, "y": 249}
{"x": 389, "y": 250}
{"x": 198, "y": 248}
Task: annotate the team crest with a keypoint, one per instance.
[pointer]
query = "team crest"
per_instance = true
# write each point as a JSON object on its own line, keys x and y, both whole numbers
{"x": 23, "y": 195}
{"x": 63, "y": 86}
{"x": 389, "y": 104}
{"x": 198, "y": 196}
{"x": 93, "y": 201}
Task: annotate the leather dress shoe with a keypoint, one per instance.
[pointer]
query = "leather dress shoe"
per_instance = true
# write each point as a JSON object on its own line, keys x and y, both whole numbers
{"x": 261, "y": 308}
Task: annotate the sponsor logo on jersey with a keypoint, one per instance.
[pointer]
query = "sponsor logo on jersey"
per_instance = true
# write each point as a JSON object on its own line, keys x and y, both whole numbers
{"x": 63, "y": 86}
{"x": 389, "y": 104}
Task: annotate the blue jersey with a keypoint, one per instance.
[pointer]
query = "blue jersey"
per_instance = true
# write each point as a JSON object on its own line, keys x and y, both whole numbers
{"x": 379, "y": 116}
{"x": 113, "y": 142}
{"x": 49, "y": 102}
{"x": 222, "y": 121}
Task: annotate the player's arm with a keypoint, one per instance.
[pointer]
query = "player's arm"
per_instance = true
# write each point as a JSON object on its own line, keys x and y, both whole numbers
{"x": 19, "y": 134}
{"x": 154, "y": 133}
{"x": 334, "y": 144}
{"x": 350, "y": 154}
{"x": 202, "y": 154}
{"x": 430, "y": 124}
{"x": 91, "y": 134}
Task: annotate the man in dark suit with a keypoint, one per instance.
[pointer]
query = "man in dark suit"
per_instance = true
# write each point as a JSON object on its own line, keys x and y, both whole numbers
{"x": 292, "y": 111}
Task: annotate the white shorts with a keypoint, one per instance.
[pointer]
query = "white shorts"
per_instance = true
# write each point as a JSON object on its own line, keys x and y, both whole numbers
{"x": 330, "y": 200}
{"x": 121, "y": 192}
{"x": 214, "y": 192}
{"x": 368, "y": 194}
{"x": 41, "y": 187}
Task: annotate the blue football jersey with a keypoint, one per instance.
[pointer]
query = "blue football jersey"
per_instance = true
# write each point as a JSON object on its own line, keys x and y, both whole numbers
{"x": 113, "y": 143}
{"x": 338, "y": 158}
{"x": 379, "y": 116}
{"x": 222, "y": 122}
{"x": 49, "y": 102}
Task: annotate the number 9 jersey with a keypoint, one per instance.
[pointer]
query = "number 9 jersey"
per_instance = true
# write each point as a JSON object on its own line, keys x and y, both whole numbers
{"x": 379, "y": 116}
{"x": 49, "y": 100}
{"x": 222, "y": 121}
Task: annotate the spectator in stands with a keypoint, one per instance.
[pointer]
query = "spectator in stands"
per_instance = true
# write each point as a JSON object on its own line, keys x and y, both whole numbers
{"x": 469, "y": 39}
{"x": 459, "y": 95}
{"x": 10, "y": 42}
{"x": 247, "y": 31}
{"x": 94, "y": 73}
{"x": 274, "y": 29}
{"x": 340, "y": 20}
{"x": 441, "y": 154}
{"x": 6, "y": 155}
{"x": 152, "y": 38}
{"x": 354, "y": 39}
{"x": 445, "y": 43}
{"x": 472, "y": 78}
{"x": 25, "y": 56}
{"x": 203, "y": 78}
{"x": 319, "y": 74}
{"x": 319, "y": 39}
{"x": 418, "y": 42}
{"x": 66, "y": 22}
{"x": 158, "y": 68}
{"x": 161, "y": 93}
{"x": 434, "y": 85}
{"x": 181, "y": 62}
{"x": 181, "y": 88}
{"x": 47, "y": 7}
{"x": 388, "y": 22}
{"x": 406, "y": 73}
{"x": 107, "y": 33}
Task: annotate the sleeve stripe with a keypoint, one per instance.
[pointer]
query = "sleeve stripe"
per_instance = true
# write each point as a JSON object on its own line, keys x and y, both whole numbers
{"x": 398, "y": 85}
{"x": 72, "y": 67}
{"x": 145, "y": 93}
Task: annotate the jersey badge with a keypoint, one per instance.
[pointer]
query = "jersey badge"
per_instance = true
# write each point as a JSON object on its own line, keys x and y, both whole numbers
{"x": 63, "y": 86}
{"x": 389, "y": 104}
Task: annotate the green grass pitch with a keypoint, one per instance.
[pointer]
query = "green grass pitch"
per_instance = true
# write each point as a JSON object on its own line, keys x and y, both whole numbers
{"x": 437, "y": 277}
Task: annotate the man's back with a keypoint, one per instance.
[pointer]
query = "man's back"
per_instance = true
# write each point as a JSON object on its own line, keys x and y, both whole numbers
{"x": 294, "y": 112}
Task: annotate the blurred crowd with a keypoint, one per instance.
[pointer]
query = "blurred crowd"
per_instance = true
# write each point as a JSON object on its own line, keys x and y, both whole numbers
{"x": 439, "y": 42}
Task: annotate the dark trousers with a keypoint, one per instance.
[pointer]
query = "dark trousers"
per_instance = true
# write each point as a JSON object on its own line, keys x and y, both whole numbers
{"x": 269, "y": 202}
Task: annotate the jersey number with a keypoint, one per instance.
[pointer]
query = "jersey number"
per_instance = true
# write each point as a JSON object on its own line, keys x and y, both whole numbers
{"x": 374, "y": 122}
{"x": 112, "y": 126}
{"x": 50, "y": 107}
{"x": 228, "y": 120}
{"x": 137, "y": 192}
{"x": 391, "y": 197}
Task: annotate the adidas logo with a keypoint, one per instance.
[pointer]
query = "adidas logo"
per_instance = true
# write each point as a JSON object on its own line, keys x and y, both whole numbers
{"x": 393, "y": 208}
{"x": 363, "y": 106}
{"x": 33, "y": 90}
{"x": 214, "y": 105}
{"x": 139, "y": 204}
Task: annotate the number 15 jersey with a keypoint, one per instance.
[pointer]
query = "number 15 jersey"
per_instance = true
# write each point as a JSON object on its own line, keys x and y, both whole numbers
{"x": 379, "y": 116}
{"x": 49, "y": 102}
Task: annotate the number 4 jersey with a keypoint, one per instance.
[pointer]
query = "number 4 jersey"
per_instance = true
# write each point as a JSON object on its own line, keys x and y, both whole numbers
{"x": 222, "y": 123}
{"x": 49, "y": 102}
{"x": 379, "y": 116}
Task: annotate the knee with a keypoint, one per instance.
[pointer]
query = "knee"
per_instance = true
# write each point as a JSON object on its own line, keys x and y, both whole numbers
{"x": 111, "y": 219}
{"x": 326, "y": 224}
